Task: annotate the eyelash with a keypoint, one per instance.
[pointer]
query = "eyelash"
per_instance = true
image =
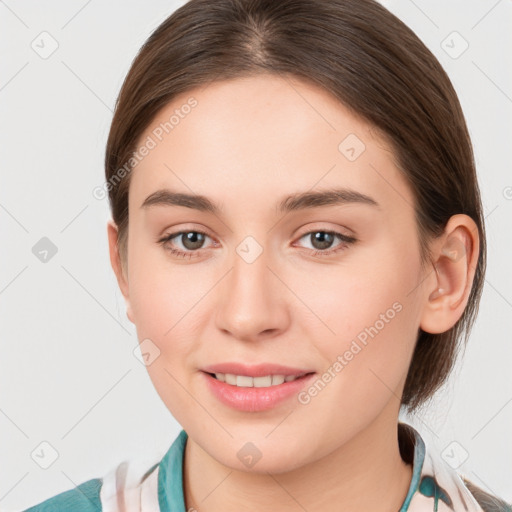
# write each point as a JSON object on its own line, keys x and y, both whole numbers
{"x": 345, "y": 241}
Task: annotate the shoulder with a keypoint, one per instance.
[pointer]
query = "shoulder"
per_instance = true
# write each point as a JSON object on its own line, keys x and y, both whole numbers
{"x": 130, "y": 482}
{"x": 437, "y": 483}
{"x": 488, "y": 502}
{"x": 83, "y": 498}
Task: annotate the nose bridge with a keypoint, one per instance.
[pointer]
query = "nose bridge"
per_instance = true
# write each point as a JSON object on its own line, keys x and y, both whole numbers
{"x": 252, "y": 302}
{"x": 250, "y": 269}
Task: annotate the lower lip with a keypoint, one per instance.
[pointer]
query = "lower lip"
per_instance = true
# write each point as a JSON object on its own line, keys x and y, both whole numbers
{"x": 251, "y": 399}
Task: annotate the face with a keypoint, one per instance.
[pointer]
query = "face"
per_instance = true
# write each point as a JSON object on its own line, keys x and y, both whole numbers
{"x": 327, "y": 291}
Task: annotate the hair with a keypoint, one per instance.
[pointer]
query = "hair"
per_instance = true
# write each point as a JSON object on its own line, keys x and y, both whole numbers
{"x": 367, "y": 59}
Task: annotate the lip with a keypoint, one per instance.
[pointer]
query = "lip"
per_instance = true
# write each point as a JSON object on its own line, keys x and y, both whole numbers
{"x": 251, "y": 399}
{"x": 256, "y": 370}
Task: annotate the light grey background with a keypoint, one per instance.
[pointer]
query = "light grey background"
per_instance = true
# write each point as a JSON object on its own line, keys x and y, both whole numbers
{"x": 68, "y": 373}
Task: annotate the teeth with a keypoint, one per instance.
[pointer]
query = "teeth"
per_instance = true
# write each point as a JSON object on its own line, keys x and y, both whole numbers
{"x": 245, "y": 381}
{"x": 229, "y": 378}
{"x": 277, "y": 379}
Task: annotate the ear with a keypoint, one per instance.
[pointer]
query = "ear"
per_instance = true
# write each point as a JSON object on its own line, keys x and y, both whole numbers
{"x": 449, "y": 285}
{"x": 117, "y": 267}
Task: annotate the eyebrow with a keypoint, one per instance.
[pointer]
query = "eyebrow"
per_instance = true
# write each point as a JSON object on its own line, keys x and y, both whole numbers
{"x": 293, "y": 202}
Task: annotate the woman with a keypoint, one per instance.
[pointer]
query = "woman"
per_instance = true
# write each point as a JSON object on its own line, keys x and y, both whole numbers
{"x": 298, "y": 234}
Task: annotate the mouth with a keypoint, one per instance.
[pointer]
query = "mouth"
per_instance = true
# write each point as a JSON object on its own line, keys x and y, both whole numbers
{"x": 255, "y": 388}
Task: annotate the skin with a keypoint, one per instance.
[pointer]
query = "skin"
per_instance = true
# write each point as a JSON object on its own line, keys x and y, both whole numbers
{"x": 248, "y": 143}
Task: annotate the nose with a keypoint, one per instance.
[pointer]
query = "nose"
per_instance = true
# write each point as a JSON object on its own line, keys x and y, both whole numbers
{"x": 252, "y": 301}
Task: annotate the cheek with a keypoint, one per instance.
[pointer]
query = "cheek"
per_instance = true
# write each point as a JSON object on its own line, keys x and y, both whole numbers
{"x": 169, "y": 306}
{"x": 162, "y": 300}
{"x": 340, "y": 302}
{"x": 365, "y": 366}
{"x": 160, "y": 292}
{"x": 369, "y": 322}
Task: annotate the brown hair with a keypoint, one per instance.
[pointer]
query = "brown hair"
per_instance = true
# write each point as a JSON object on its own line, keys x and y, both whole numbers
{"x": 372, "y": 63}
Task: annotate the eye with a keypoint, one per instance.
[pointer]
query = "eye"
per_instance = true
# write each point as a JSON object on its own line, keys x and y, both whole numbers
{"x": 322, "y": 240}
{"x": 191, "y": 242}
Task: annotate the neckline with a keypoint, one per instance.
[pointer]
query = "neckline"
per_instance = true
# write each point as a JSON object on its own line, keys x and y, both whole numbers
{"x": 170, "y": 472}
{"x": 409, "y": 435}
{"x": 170, "y": 477}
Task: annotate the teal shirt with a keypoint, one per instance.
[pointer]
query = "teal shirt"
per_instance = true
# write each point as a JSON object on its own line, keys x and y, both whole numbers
{"x": 86, "y": 496}
{"x": 170, "y": 477}
{"x": 434, "y": 486}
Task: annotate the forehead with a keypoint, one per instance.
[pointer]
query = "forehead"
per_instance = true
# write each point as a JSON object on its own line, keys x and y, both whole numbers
{"x": 255, "y": 137}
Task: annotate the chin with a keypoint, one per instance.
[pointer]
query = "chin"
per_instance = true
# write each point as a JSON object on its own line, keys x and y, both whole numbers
{"x": 261, "y": 457}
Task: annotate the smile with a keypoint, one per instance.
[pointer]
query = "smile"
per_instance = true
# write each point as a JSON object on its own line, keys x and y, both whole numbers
{"x": 255, "y": 394}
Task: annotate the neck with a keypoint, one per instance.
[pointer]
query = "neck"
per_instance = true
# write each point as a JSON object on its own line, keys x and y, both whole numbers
{"x": 366, "y": 473}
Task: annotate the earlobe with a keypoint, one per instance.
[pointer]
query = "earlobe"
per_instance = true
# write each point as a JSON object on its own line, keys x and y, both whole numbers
{"x": 452, "y": 277}
{"x": 117, "y": 267}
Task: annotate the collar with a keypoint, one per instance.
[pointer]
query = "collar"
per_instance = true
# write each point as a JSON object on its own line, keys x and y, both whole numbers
{"x": 170, "y": 477}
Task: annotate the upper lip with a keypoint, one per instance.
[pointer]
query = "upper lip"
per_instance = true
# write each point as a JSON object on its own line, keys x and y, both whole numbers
{"x": 256, "y": 370}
